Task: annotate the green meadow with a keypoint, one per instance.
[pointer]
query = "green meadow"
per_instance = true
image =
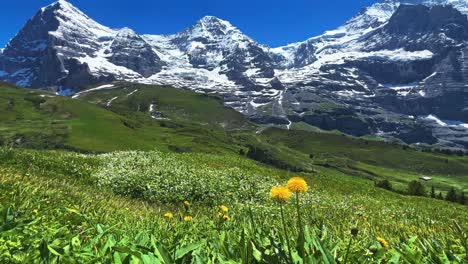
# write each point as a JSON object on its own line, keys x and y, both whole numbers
{"x": 85, "y": 181}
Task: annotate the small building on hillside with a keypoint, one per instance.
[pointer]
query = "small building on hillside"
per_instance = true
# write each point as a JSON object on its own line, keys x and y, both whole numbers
{"x": 425, "y": 178}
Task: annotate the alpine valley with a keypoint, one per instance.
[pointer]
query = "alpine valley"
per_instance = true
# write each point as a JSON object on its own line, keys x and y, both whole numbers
{"x": 396, "y": 70}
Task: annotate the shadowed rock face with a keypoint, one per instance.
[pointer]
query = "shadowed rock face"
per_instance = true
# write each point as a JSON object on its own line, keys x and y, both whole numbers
{"x": 40, "y": 55}
{"x": 129, "y": 50}
{"x": 31, "y": 48}
{"x": 418, "y": 27}
{"x": 398, "y": 69}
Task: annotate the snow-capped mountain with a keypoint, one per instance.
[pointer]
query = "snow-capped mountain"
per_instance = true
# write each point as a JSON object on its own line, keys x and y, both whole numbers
{"x": 368, "y": 20}
{"x": 52, "y": 46}
{"x": 389, "y": 67}
{"x": 214, "y": 54}
{"x": 383, "y": 72}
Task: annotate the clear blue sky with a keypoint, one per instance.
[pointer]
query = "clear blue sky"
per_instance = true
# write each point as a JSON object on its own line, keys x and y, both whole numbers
{"x": 272, "y": 22}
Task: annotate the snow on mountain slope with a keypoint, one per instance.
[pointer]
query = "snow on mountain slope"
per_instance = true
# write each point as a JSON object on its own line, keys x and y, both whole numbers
{"x": 367, "y": 21}
{"x": 72, "y": 50}
{"x": 214, "y": 32}
{"x": 73, "y": 21}
{"x": 76, "y": 35}
{"x": 179, "y": 72}
{"x": 340, "y": 58}
{"x": 212, "y": 55}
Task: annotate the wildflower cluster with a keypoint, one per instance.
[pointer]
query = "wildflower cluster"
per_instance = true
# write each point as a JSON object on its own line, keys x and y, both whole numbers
{"x": 383, "y": 242}
{"x": 168, "y": 177}
{"x": 169, "y": 215}
{"x": 282, "y": 194}
{"x": 223, "y": 213}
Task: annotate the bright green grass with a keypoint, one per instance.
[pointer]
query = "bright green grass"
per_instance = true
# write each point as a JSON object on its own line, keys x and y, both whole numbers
{"x": 54, "y": 211}
{"x": 36, "y": 119}
{"x": 200, "y": 123}
{"x": 374, "y": 160}
{"x": 400, "y": 179}
{"x": 176, "y": 104}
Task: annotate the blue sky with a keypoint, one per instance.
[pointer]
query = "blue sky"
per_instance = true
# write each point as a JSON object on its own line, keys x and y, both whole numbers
{"x": 272, "y": 22}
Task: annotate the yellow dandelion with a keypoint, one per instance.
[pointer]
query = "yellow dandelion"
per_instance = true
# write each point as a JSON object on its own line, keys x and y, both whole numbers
{"x": 188, "y": 218}
{"x": 280, "y": 193}
{"x": 383, "y": 242}
{"x": 168, "y": 215}
{"x": 297, "y": 184}
{"x": 224, "y": 208}
{"x": 226, "y": 218}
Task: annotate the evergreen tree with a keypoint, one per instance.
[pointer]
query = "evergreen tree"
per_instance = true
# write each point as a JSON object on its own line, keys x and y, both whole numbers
{"x": 451, "y": 195}
{"x": 433, "y": 195}
{"x": 440, "y": 197}
{"x": 385, "y": 184}
{"x": 416, "y": 188}
{"x": 462, "y": 199}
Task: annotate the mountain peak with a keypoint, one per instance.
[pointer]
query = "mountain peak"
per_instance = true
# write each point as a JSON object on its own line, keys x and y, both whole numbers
{"x": 71, "y": 18}
{"x": 126, "y": 31}
{"x": 62, "y": 5}
{"x": 213, "y": 19}
{"x": 213, "y": 25}
{"x": 209, "y": 28}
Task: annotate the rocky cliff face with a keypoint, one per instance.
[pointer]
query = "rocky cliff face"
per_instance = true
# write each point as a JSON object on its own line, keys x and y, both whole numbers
{"x": 45, "y": 51}
{"x": 131, "y": 51}
{"x": 396, "y": 70}
{"x": 392, "y": 75}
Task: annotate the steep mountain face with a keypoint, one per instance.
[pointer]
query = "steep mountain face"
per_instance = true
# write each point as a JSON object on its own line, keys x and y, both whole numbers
{"x": 60, "y": 46}
{"x": 390, "y": 72}
{"x": 131, "y": 51}
{"x": 45, "y": 51}
{"x": 396, "y": 70}
{"x": 438, "y": 29}
{"x": 214, "y": 44}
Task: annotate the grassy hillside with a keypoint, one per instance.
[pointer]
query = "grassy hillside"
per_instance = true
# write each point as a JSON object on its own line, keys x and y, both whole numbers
{"x": 66, "y": 207}
{"x": 160, "y": 150}
{"x": 147, "y": 117}
{"x": 181, "y": 106}
{"x": 37, "y": 119}
{"x": 374, "y": 160}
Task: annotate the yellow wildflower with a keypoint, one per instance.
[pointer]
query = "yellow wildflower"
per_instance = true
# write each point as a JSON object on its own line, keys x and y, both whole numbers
{"x": 297, "y": 184}
{"x": 226, "y": 218}
{"x": 168, "y": 215}
{"x": 280, "y": 193}
{"x": 224, "y": 208}
{"x": 188, "y": 218}
{"x": 383, "y": 242}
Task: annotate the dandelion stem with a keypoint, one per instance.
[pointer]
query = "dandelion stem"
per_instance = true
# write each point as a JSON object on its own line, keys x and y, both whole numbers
{"x": 347, "y": 250}
{"x": 252, "y": 221}
{"x": 301, "y": 228}
{"x": 286, "y": 233}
